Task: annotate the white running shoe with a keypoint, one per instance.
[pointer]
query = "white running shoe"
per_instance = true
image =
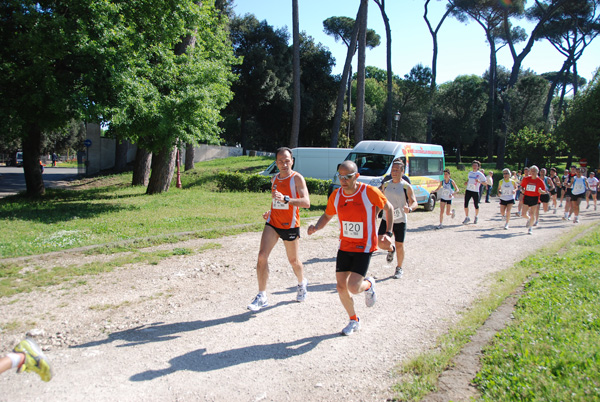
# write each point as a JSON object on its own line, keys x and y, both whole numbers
{"x": 518, "y": 213}
{"x": 351, "y": 327}
{"x": 301, "y": 292}
{"x": 588, "y": 207}
{"x": 475, "y": 220}
{"x": 370, "y": 296}
{"x": 506, "y": 226}
{"x": 554, "y": 211}
{"x": 398, "y": 273}
{"x": 453, "y": 213}
{"x": 390, "y": 255}
{"x": 530, "y": 231}
{"x": 439, "y": 226}
{"x": 259, "y": 302}
{"x": 576, "y": 220}
{"x": 565, "y": 217}
{"x": 560, "y": 205}
{"x": 467, "y": 220}
{"x": 535, "y": 223}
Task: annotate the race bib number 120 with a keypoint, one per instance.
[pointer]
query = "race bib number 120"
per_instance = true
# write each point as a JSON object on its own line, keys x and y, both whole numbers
{"x": 352, "y": 230}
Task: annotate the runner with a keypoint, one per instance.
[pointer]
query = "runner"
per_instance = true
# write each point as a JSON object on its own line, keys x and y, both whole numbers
{"x": 579, "y": 187}
{"x": 448, "y": 187}
{"x": 283, "y": 222}
{"x": 356, "y": 207}
{"x": 520, "y": 198}
{"x": 593, "y": 190}
{"x": 489, "y": 183}
{"x": 532, "y": 187}
{"x": 568, "y": 191}
{"x": 400, "y": 194}
{"x": 556, "y": 192}
{"x": 476, "y": 179}
{"x": 27, "y": 356}
{"x": 507, "y": 189}
{"x": 563, "y": 186}
{"x": 544, "y": 198}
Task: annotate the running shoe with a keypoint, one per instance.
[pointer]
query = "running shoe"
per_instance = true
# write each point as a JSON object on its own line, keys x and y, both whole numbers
{"x": 535, "y": 223}
{"x": 530, "y": 231}
{"x": 565, "y": 217}
{"x": 439, "y": 226}
{"x": 453, "y": 213}
{"x": 301, "y": 292}
{"x": 560, "y": 206}
{"x": 506, "y": 226}
{"x": 528, "y": 224}
{"x": 467, "y": 220}
{"x": 588, "y": 207}
{"x": 576, "y": 220}
{"x": 595, "y": 207}
{"x": 35, "y": 360}
{"x": 398, "y": 273}
{"x": 259, "y": 302}
{"x": 475, "y": 220}
{"x": 518, "y": 213}
{"x": 351, "y": 327}
{"x": 370, "y": 296}
{"x": 390, "y": 255}
{"x": 554, "y": 211}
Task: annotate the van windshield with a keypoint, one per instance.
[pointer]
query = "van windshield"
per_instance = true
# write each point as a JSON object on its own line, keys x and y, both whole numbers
{"x": 371, "y": 164}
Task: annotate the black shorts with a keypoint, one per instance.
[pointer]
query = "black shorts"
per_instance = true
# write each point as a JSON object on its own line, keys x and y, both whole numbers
{"x": 553, "y": 191}
{"x": 449, "y": 202}
{"x": 347, "y": 261}
{"x": 474, "y": 195}
{"x": 531, "y": 200}
{"x": 545, "y": 198}
{"x": 507, "y": 202}
{"x": 399, "y": 230}
{"x": 575, "y": 197}
{"x": 286, "y": 234}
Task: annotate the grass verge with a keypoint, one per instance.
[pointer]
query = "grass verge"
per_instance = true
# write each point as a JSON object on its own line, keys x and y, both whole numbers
{"x": 107, "y": 210}
{"x": 418, "y": 376}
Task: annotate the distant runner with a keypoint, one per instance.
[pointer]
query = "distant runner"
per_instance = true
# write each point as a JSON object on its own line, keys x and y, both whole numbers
{"x": 476, "y": 179}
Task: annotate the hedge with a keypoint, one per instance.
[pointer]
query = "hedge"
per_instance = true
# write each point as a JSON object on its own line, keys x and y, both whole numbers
{"x": 236, "y": 181}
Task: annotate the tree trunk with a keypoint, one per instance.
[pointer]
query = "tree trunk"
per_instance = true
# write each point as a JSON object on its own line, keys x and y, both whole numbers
{"x": 359, "y": 122}
{"x": 189, "y": 156}
{"x": 31, "y": 162}
{"x": 349, "y": 103}
{"x": 163, "y": 167}
{"x": 121, "y": 155}
{"x": 296, "y": 76}
{"x": 559, "y": 77}
{"x": 339, "y": 108}
{"x": 389, "y": 107}
{"x": 141, "y": 168}
{"x": 492, "y": 96}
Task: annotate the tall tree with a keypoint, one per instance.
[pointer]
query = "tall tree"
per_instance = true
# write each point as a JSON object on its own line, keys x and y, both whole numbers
{"x": 360, "y": 73}
{"x": 296, "y": 75}
{"x": 434, "y": 37}
{"x": 547, "y": 9}
{"x": 388, "y": 58}
{"x": 346, "y": 30}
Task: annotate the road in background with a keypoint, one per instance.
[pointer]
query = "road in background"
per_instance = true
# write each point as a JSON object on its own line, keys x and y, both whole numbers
{"x": 12, "y": 179}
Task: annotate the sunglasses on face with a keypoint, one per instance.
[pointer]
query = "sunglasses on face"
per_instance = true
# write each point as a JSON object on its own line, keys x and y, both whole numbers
{"x": 346, "y": 176}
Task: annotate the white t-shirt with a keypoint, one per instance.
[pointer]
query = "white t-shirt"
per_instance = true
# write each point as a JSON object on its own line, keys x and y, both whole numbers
{"x": 475, "y": 180}
{"x": 506, "y": 188}
{"x": 593, "y": 183}
{"x": 394, "y": 192}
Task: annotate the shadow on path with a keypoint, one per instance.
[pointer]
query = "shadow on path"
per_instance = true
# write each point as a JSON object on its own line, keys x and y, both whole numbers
{"x": 200, "y": 361}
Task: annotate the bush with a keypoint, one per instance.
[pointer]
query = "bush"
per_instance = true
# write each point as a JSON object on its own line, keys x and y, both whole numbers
{"x": 236, "y": 181}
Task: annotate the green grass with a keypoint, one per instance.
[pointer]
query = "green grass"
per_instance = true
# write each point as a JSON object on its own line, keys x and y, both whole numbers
{"x": 113, "y": 211}
{"x": 551, "y": 351}
{"x": 418, "y": 376}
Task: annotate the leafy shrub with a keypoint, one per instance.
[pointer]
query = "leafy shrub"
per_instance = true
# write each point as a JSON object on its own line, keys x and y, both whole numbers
{"x": 236, "y": 181}
{"x": 316, "y": 186}
{"x": 232, "y": 181}
{"x": 258, "y": 183}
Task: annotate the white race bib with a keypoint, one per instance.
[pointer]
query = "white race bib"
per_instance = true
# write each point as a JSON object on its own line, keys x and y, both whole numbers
{"x": 472, "y": 187}
{"x": 353, "y": 230}
{"x": 530, "y": 187}
{"x": 446, "y": 194}
{"x": 397, "y": 213}
{"x": 280, "y": 205}
{"x": 506, "y": 190}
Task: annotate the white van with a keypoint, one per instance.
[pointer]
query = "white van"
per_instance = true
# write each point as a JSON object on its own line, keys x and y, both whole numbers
{"x": 424, "y": 166}
{"x": 318, "y": 163}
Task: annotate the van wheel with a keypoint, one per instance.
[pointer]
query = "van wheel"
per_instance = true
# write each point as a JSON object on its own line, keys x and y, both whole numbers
{"x": 430, "y": 205}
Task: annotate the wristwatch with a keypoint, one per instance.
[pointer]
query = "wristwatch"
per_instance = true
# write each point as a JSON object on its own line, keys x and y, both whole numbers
{"x": 389, "y": 234}
{"x": 286, "y": 199}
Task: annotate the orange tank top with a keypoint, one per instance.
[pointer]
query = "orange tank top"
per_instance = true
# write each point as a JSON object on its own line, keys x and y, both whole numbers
{"x": 357, "y": 214}
{"x": 284, "y": 216}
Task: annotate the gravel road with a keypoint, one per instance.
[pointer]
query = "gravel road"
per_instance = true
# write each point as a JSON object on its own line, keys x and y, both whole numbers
{"x": 180, "y": 331}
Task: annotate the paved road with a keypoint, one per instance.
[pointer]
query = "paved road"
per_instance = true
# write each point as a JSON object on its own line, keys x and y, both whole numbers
{"x": 12, "y": 179}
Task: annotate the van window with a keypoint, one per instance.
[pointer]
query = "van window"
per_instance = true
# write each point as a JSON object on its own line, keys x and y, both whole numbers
{"x": 371, "y": 164}
{"x": 426, "y": 166}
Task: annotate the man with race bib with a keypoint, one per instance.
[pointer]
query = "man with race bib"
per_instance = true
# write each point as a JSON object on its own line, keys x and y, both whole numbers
{"x": 289, "y": 194}
{"x": 578, "y": 187}
{"x": 476, "y": 179}
{"x": 507, "y": 188}
{"x": 403, "y": 199}
{"x": 356, "y": 206}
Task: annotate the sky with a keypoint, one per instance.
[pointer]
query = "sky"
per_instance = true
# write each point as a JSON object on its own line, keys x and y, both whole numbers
{"x": 463, "y": 48}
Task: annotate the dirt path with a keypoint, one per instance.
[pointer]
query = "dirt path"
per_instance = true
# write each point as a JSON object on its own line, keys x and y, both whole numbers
{"x": 180, "y": 330}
